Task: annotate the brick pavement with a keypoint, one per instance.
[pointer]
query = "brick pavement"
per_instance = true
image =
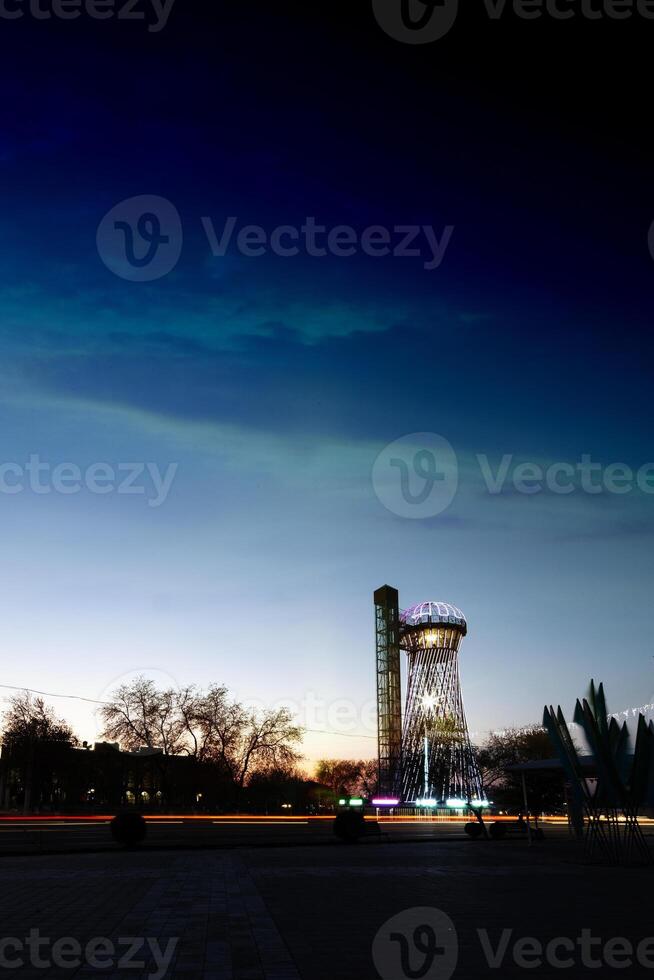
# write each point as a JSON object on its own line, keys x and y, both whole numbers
{"x": 312, "y": 913}
{"x": 205, "y": 900}
{"x": 329, "y": 906}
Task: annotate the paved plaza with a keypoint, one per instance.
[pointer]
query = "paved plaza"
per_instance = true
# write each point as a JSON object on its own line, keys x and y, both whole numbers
{"x": 319, "y": 912}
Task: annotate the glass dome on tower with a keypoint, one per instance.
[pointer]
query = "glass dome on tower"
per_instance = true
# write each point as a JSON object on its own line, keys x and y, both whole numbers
{"x": 434, "y": 613}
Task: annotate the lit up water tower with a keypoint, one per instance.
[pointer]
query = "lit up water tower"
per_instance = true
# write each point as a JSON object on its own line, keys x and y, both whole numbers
{"x": 428, "y": 756}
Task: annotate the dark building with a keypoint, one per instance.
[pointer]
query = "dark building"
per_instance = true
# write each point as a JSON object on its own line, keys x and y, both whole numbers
{"x": 54, "y": 777}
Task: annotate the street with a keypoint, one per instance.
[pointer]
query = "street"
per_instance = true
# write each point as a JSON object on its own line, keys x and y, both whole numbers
{"x": 52, "y": 834}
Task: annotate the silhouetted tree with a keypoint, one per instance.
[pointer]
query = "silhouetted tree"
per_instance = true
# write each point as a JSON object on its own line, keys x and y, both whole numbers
{"x": 29, "y": 718}
{"x": 140, "y": 715}
{"x": 214, "y": 724}
{"x": 205, "y": 725}
{"x": 265, "y": 740}
{"x": 368, "y": 778}
{"x": 35, "y": 744}
{"x": 241, "y": 742}
{"x": 510, "y": 748}
{"x": 348, "y": 777}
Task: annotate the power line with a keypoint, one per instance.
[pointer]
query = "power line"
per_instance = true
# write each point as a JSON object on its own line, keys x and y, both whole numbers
{"x": 319, "y": 731}
{"x": 49, "y": 694}
{"x": 311, "y": 731}
{"x": 79, "y": 697}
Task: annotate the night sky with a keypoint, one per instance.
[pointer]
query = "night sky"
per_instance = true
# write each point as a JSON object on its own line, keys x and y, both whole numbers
{"x": 275, "y": 382}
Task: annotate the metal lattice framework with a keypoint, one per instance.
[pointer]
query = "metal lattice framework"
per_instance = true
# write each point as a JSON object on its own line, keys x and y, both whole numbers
{"x": 439, "y": 762}
{"x": 389, "y": 697}
{"x": 433, "y": 758}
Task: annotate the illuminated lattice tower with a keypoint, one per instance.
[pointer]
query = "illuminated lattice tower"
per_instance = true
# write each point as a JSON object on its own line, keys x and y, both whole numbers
{"x": 438, "y": 762}
{"x": 428, "y": 755}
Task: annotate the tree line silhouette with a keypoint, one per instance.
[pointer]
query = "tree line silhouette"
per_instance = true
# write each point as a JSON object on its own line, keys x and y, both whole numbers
{"x": 194, "y": 748}
{"x": 200, "y": 750}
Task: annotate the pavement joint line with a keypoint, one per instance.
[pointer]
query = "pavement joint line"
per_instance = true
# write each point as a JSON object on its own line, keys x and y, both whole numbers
{"x": 273, "y": 952}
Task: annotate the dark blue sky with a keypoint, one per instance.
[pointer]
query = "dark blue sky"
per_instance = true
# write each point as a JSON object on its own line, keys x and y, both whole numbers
{"x": 274, "y": 383}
